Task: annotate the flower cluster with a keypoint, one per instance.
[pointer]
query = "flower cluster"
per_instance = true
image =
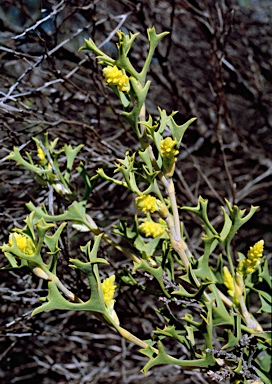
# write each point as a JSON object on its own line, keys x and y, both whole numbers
{"x": 228, "y": 281}
{"x": 114, "y": 76}
{"x": 147, "y": 203}
{"x": 254, "y": 255}
{"x": 235, "y": 288}
{"x": 168, "y": 148}
{"x": 24, "y": 243}
{"x": 41, "y": 155}
{"x": 108, "y": 288}
{"x": 150, "y": 228}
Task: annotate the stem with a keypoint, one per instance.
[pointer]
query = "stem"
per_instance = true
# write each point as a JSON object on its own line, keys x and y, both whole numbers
{"x": 120, "y": 248}
{"x": 141, "y": 117}
{"x": 239, "y": 292}
{"x": 224, "y": 298}
{"x": 173, "y": 201}
{"x": 94, "y": 228}
{"x": 251, "y": 323}
{"x": 62, "y": 288}
{"x": 133, "y": 339}
{"x": 178, "y": 247}
{"x": 230, "y": 260}
{"x": 143, "y": 138}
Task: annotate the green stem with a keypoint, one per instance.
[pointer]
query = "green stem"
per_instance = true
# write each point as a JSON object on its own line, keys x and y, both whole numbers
{"x": 228, "y": 253}
{"x": 94, "y": 229}
{"x": 120, "y": 248}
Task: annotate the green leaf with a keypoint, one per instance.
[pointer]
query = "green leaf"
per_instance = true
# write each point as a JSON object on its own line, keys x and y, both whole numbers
{"x": 101, "y": 173}
{"x": 133, "y": 116}
{"x": 145, "y": 156}
{"x": 263, "y": 377}
{"x": 190, "y": 334}
{"x": 238, "y": 219}
{"x": 96, "y": 301}
{"x": 265, "y": 361}
{"x": 189, "y": 319}
{"x": 171, "y": 331}
{"x": 89, "y": 183}
{"x": 203, "y": 270}
{"x": 13, "y": 263}
{"x": 154, "y": 39}
{"x": 162, "y": 358}
{"x": 234, "y": 335}
{"x": 146, "y": 248}
{"x": 178, "y": 130}
{"x": 124, "y": 98}
{"x": 52, "y": 244}
{"x": 91, "y": 46}
{"x": 16, "y": 156}
{"x": 201, "y": 211}
{"x": 156, "y": 272}
{"x": 208, "y": 335}
{"x": 266, "y": 306}
{"x": 183, "y": 293}
{"x": 227, "y": 225}
{"x": 266, "y": 275}
{"x": 76, "y": 212}
{"x": 220, "y": 314}
{"x": 70, "y": 153}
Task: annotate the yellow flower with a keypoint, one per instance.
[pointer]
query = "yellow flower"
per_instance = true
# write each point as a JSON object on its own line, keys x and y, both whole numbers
{"x": 41, "y": 155}
{"x": 228, "y": 281}
{"x": 24, "y": 243}
{"x": 147, "y": 203}
{"x": 254, "y": 255}
{"x": 168, "y": 147}
{"x": 114, "y": 76}
{"x": 256, "y": 251}
{"x": 150, "y": 228}
{"x": 108, "y": 288}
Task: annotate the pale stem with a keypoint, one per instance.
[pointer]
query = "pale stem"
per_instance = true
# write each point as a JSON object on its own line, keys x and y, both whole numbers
{"x": 133, "y": 339}
{"x": 62, "y": 288}
{"x": 173, "y": 201}
{"x": 224, "y": 298}
{"x": 251, "y": 323}
{"x": 142, "y": 118}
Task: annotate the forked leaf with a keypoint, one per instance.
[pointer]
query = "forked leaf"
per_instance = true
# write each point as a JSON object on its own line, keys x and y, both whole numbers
{"x": 171, "y": 331}
{"x": 220, "y": 314}
{"x": 162, "y": 358}
{"x": 179, "y": 130}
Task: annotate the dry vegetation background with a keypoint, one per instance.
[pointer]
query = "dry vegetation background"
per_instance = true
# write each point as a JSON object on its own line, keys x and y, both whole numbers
{"x": 215, "y": 65}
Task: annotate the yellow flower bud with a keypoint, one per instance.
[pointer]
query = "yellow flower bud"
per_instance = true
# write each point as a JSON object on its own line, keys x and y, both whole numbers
{"x": 24, "y": 243}
{"x": 150, "y": 228}
{"x": 254, "y": 255}
{"x": 41, "y": 155}
{"x": 256, "y": 251}
{"x": 168, "y": 147}
{"x": 147, "y": 203}
{"x": 228, "y": 281}
{"x": 114, "y": 76}
{"x": 108, "y": 288}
